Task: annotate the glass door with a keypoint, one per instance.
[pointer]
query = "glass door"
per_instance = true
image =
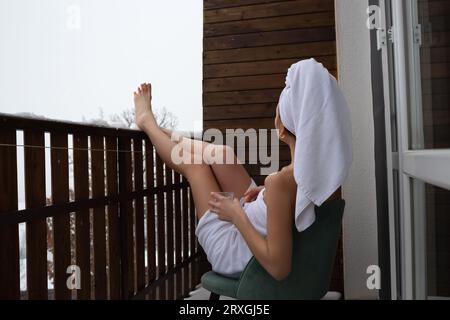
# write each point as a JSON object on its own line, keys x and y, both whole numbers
{"x": 420, "y": 131}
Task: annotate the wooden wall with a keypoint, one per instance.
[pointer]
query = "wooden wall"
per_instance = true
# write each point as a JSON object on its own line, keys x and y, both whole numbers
{"x": 248, "y": 47}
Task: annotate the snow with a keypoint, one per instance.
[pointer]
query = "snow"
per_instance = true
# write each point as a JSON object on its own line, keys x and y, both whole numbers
{"x": 30, "y": 115}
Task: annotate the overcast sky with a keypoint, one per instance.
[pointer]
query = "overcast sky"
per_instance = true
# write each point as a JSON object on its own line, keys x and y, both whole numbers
{"x": 65, "y": 59}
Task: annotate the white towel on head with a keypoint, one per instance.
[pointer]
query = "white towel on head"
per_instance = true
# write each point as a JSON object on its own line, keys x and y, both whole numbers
{"x": 313, "y": 108}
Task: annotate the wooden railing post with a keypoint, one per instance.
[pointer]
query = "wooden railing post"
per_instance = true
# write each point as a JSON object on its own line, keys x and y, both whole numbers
{"x": 185, "y": 223}
{"x": 126, "y": 218}
{"x": 83, "y": 247}
{"x": 169, "y": 229}
{"x": 61, "y": 223}
{"x": 151, "y": 226}
{"x": 160, "y": 216}
{"x": 114, "y": 234}
{"x": 36, "y": 229}
{"x": 192, "y": 224}
{"x": 178, "y": 220}
{"x": 9, "y": 234}
{"x": 98, "y": 190}
{"x": 139, "y": 214}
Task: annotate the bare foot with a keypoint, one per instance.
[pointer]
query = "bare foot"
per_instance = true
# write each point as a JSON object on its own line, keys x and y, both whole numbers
{"x": 143, "y": 105}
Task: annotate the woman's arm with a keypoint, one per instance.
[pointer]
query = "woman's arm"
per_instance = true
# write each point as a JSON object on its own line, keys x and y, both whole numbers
{"x": 274, "y": 253}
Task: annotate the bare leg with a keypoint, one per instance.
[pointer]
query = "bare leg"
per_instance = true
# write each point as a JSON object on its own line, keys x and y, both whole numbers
{"x": 200, "y": 176}
{"x": 193, "y": 146}
{"x": 231, "y": 177}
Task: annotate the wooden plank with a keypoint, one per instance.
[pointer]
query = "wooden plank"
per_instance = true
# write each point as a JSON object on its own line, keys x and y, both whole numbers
{"x": 67, "y": 127}
{"x": 179, "y": 285}
{"x": 273, "y": 81}
{"x": 241, "y": 97}
{"x": 249, "y": 111}
{"x": 113, "y": 219}
{"x": 192, "y": 224}
{"x": 435, "y": 39}
{"x": 178, "y": 221}
{"x": 81, "y": 181}
{"x": 192, "y": 282}
{"x": 435, "y": 55}
{"x": 438, "y": 8}
{"x": 437, "y": 102}
{"x": 259, "y": 180}
{"x": 218, "y": 4}
{"x": 311, "y": 20}
{"x": 435, "y": 71}
{"x": 139, "y": 185}
{"x": 259, "y": 67}
{"x": 162, "y": 290}
{"x": 436, "y": 87}
{"x": 126, "y": 219}
{"x": 9, "y": 234}
{"x": 169, "y": 219}
{"x": 27, "y": 215}
{"x": 269, "y": 38}
{"x": 185, "y": 275}
{"x": 267, "y": 10}
{"x": 437, "y": 137}
{"x": 214, "y": 71}
{"x": 98, "y": 190}
{"x": 288, "y": 51}
{"x": 151, "y": 240}
{"x": 171, "y": 294}
{"x": 439, "y": 23}
{"x": 160, "y": 216}
{"x": 185, "y": 222}
{"x": 245, "y": 124}
{"x": 36, "y": 229}
{"x": 61, "y": 223}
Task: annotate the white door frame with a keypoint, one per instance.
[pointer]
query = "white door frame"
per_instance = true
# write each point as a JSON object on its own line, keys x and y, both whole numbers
{"x": 431, "y": 166}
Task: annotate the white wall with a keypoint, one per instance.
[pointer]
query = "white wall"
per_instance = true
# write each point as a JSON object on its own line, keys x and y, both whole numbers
{"x": 360, "y": 219}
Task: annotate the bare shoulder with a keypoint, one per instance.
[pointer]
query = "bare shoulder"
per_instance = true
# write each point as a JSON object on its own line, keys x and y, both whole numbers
{"x": 282, "y": 182}
{"x": 281, "y": 190}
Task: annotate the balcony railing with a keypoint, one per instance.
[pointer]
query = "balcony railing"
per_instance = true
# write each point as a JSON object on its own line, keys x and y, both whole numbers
{"x": 116, "y": 216}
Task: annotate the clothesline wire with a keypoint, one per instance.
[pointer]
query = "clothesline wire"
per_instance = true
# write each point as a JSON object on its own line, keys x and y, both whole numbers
{"x": 66, "y": 148}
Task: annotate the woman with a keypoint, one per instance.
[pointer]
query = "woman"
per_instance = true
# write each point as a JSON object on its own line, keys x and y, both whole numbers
{"x": 312, "y": 118}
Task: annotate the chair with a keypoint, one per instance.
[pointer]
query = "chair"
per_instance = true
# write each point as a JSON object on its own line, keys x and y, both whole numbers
{"x": 314, "y": 251}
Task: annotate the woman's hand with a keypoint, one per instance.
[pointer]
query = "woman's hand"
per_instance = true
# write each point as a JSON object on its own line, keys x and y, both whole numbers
{"x": 252, "y": 194}
{"x": 227, "y": 209}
